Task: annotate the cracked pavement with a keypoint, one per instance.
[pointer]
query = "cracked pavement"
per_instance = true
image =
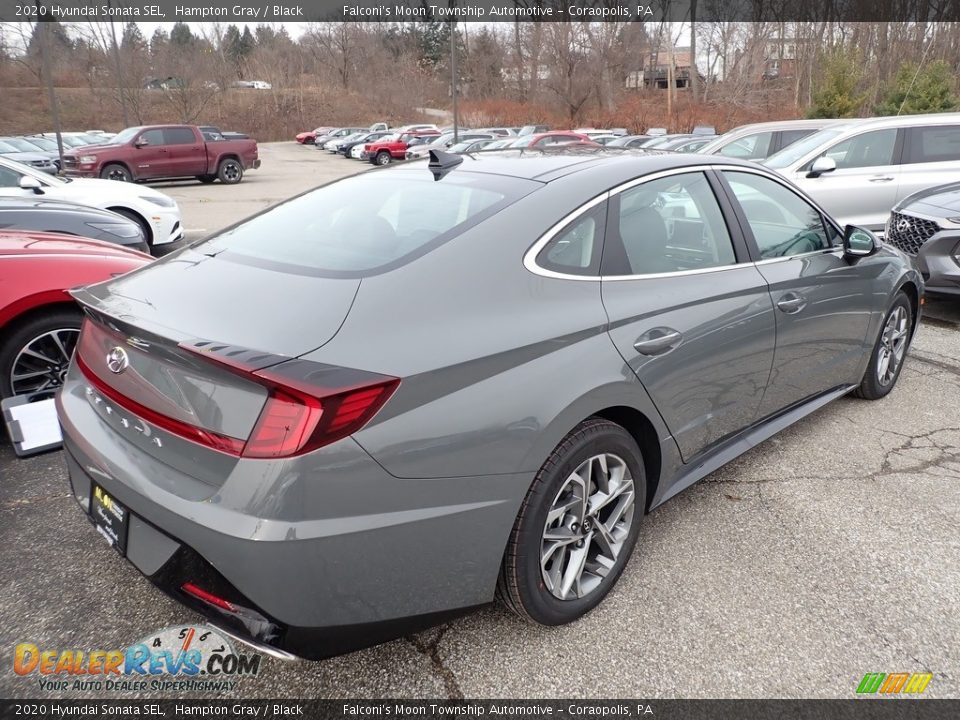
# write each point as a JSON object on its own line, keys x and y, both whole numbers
{"x": 829, "y": 551}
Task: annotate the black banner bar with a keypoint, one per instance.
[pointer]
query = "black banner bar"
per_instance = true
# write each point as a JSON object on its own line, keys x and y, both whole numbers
{"x": 649, "y": 11}
{"x": 854, "y": 709}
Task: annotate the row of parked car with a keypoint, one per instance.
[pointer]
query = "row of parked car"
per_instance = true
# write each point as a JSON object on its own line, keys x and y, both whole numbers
{"x": 41, "y": 150}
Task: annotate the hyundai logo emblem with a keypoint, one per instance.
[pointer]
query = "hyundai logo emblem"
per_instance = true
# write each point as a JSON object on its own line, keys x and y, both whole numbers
{"x": 117, "y": 360}
{"x": 903, "y": 225}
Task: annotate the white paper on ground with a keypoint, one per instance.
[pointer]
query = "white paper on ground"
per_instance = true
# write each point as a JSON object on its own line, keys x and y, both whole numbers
{"x": 38, "y": 424}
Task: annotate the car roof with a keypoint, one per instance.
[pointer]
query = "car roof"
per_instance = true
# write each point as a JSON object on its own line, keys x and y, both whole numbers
{"x": 608, "y": 166}
{"x": 905, "y": 120}
{"x": 785, "y": 125}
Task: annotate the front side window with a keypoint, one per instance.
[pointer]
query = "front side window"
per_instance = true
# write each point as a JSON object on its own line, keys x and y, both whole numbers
{"x": 936, "y": 143}
{"x": 367, "y": 223}
{"x": 751, "y": 147}
{"x": 9, "y": 178}
{"x": 782, "y": 222}
{"x": 671, "y": 224}
{"x": 152, "y": 137}
{"x": 575, "y": 250}
{"x": 869, "y": 149}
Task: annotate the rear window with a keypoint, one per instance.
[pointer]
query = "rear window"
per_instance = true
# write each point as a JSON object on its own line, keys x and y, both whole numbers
{"x": 368, "y": 223}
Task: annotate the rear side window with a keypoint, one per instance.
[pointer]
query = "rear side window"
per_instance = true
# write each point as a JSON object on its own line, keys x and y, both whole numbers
{"x": 368, "y": 223}
{"x": 751, "y": 147}
{"x": 789, "y": 137}
{"x": 575, "y": 250}
{"x": 178, "y": 136}
{"x": 937, "y": 143}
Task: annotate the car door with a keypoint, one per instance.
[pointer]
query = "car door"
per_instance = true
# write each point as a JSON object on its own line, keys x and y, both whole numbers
{"x": 151, "y": 156}
{"x": 187, "y": 155}
{"x": 688, "y": 311}
{"x": 930, "y": 156}
{"x": 823, "y": 301}
{"x": 863, "y": 188}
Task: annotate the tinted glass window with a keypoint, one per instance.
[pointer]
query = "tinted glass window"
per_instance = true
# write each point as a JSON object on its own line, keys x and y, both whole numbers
{"x": 9, "y": 178}
{"x": 668, "y": 225}
{"x": 369, "y": 222}
{"x": 938, "y": 143}
{"x": 575, "y": 250}
{"x": 751, "y": 147}
{"x": 869, "y": 149}
{"x": 152, "y": 137}
{"x": 789, "y": 137}
{"x": 178, "y": 136}
{"x": 783, "y": 223}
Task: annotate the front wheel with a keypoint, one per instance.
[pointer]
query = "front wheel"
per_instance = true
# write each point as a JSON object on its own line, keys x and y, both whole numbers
{"x": 383, "y": 158}
{"x": 890, "y": 351}
{"x": 117, "y": 172}
{"x": 230, "y": 172}
{"x": 35, "y": 355}
{"x": 577, "y": 526}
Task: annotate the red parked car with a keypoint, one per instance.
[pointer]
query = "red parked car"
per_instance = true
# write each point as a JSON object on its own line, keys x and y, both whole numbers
{"x": 394, "y": 147}
{"x": 552, "y": 139}
{"x": 152, "y": 152}
{"x": 39, "y": 322}
{"x": 308, "y": 138}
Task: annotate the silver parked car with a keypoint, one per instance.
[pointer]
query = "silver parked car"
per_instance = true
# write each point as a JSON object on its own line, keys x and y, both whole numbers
{"x": 926, "y": 226}
{"x": 761, "y": 140}
{"x": 387, "y": 400}
{"x": 859, "y": 170}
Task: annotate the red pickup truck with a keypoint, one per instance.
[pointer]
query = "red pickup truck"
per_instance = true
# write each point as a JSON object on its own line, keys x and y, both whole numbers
{"x": 394, "y": 147}
{"x": 153, "y": 152}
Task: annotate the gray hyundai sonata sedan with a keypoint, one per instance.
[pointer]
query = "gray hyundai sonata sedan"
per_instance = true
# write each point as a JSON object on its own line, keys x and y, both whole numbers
{"x": 398, "y": 396}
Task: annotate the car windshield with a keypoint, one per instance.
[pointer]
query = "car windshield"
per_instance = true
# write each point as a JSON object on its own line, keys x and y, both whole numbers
{"x": 367, "y": 223}
{"x": 20, "y": 144}
{"x": 44, "y": 143}
{"x": 792, "y": 153}
{"x": 20, "y": 169}
{"x": 7, "y": 147}
{"x": 523, "y": 142}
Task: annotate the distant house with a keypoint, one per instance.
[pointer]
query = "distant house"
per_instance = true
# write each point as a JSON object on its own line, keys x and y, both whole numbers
{"x": 780, "y": 59}
{"x": 653, "y": 69}
{"x": 167, "y": 83}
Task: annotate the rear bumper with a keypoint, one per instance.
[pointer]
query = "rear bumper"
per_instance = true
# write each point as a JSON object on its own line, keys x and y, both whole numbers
{"x": 256, "y": 164}
{"x": 318, "y": 561}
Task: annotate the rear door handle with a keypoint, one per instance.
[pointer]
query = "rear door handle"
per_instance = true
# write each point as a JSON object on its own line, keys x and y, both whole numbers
{"x": 657, "y": 341}
{"x": 881, "y": 178}
{"x": 792, "y": 303}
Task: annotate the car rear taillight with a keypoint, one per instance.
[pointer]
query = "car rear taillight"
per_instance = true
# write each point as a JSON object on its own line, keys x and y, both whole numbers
{"x": 293, "y": 422}
{"x": 308, "y": 404}
{"x": 208, "y": 597}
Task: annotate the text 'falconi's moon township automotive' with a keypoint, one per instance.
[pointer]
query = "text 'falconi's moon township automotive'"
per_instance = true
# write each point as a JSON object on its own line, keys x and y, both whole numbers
{"x": 470, "y": 377}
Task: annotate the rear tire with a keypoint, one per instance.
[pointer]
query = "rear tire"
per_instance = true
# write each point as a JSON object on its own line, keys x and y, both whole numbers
{"x": 889, "y": 352}
{"x": 115, "y": 171}
{"x": 577, "y": 526}
{"x": 37, "y": 332}
{"x": 230, "y": 171}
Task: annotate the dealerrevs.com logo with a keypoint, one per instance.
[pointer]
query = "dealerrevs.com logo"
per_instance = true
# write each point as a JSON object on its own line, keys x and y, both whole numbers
{"x": 178, "y": 658}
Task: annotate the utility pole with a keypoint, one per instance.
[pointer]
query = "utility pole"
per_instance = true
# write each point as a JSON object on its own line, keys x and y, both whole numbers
{"x": 453, "y": 79}
{"x": 51, "y": 95}
{"x": 116, "y": 61}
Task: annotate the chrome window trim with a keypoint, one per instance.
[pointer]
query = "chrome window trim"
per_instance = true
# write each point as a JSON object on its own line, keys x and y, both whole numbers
{"x": 529, "y": 259}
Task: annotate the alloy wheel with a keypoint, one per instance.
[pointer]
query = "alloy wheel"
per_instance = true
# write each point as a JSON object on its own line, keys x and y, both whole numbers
{"x": 43, "y": 362}
{"x": 231, "y": 171}
{"x": 893, "y": 345}
{"x": 586, "y": 527}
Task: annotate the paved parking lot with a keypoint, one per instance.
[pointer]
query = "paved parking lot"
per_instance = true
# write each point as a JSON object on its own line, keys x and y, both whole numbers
{"x": 827, "y": 552}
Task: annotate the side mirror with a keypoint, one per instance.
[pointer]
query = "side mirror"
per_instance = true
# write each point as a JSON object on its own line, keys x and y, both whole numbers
{"x": 141, "y": 143}
{"x": 31, "y": 183}
{"x": 859, "y": 242}
{"x": 822, "y": 165}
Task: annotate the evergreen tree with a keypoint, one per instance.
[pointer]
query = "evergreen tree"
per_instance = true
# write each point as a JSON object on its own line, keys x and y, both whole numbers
{"x": 927, "y": 91}
{"x": 132, "y": 38}
{"x": 158, "y": 41}
{"x": 836, "y": 95}
{"x": 180, "y": 35}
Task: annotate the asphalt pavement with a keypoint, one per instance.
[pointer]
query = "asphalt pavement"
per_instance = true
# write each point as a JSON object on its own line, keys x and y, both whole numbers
{"x": 827, "y": 552}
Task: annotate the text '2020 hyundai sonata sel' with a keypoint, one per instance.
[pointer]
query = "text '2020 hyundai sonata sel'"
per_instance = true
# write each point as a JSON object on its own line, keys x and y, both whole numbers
{"x": 386, "y": 401}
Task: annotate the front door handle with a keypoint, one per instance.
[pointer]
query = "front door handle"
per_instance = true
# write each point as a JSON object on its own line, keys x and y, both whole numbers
{"x": 657, "y": 341}
{"x": 792, "y": 303}
{"x": 881, "y": 178}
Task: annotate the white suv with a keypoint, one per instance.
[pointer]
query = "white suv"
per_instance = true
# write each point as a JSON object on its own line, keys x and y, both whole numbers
{"x": 860, "y": 169}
